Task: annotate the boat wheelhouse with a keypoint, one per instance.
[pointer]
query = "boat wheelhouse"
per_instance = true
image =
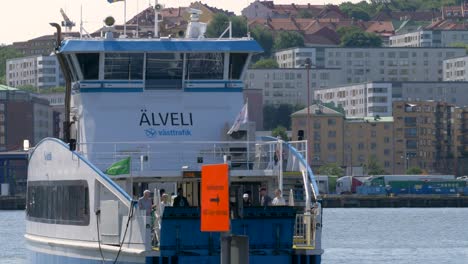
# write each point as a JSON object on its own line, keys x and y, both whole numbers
{"x": 164, "y": 105}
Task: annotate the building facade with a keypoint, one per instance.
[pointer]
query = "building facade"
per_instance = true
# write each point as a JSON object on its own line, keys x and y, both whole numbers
{"x": 37, "y": 71}
{"x": 456, "y": 69}
{"x": 374, "y": 64}
{"x": 23, "y": 116}
{"x": 348, "y": 142}
{"x": 289, "y": 86}
{"x": 375, "y": 98}
{"x": 429, "y": 38}
{"x": 360, "y": 100}
{"x": 424, "y": 136}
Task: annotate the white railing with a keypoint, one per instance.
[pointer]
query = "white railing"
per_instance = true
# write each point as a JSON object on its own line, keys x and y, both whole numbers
{"x": 175, "y": 156}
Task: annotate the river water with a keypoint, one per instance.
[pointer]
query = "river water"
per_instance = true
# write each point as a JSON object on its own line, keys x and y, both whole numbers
{"x": 350, "y": 236}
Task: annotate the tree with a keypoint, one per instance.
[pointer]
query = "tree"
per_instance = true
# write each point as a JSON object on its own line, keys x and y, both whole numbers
{"x": 266, "y": 64}
{"x": 303, "y": 13}
{"x": 6, "y": 53}
{"x": 342, "y": 31}
{"x": 239, "y": 26}
{"x": 288, "y": 39}
{"x": 280, "y": 131}
{"x": 331, "y": 169}
{"x": 361, "y": 39}
{"x": 414, "y": 171}
{"x": 278, "y": 115}
{"x": 359, "y": 14}
{"x": 220, "y": 22}
{"x": 264, "y": 37}
{"x": 373, "y": 167}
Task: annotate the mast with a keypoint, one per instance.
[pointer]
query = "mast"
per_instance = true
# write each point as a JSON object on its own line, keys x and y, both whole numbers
{"x": 157, "y": 8}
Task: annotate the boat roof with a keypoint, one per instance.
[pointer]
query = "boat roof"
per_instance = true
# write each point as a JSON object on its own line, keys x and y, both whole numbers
{"x": 160, "y": 45}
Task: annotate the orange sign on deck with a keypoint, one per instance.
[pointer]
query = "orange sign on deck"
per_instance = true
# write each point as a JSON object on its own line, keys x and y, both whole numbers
{"x": 215, "y": 198}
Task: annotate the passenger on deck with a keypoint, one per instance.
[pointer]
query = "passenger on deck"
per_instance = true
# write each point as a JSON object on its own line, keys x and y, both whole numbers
{"x": 265, "y": 200}
{"x": 164, "y": 202}
{"x": 180, "y": 200}
{"x": 146, "y": 203}
{"x": 246, "y": 200}
{"x": 278, "y": 200}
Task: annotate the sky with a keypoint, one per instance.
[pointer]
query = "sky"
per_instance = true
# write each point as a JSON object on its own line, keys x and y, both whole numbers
{"x": 22, "y": 20}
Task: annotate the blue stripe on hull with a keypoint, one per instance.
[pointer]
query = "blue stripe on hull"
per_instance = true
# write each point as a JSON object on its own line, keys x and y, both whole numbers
{"x": 43, "y": 258}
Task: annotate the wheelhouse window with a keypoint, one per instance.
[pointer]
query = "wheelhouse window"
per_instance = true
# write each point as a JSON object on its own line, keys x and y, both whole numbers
{"x": 89, "y": 65}
{"x": 58, "y": 202}
{"x": 164, "y": 71}
{"x": 236, "y": 65}
{"x": 123, "y": 66}
{"x": 205, "y": 66}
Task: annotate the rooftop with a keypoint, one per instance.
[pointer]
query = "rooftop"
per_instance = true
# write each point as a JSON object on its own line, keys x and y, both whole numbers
{"x": 318, "y": 109}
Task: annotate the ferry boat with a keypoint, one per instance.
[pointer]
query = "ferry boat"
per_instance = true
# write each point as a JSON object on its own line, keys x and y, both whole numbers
{"x": 164, "y": 105}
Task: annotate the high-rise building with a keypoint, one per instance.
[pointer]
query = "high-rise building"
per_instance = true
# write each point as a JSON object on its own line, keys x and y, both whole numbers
{"x": 37, "y": 71}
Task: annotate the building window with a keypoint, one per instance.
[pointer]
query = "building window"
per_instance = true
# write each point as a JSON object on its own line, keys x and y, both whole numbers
{"x": 332, "y": 133}
{"x": 316, "y": 147}
{"x": 331, "y": 146}
{"x": 331, "y": 122}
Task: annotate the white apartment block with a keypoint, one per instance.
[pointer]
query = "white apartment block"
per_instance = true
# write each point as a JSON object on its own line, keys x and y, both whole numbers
{"x": 455, "y": 70}
{"x": 360, "y": 100}
{"x": 375, "y": 98}
{"x": 37, "y": 71}
{"x": 374, "y": 64}
{"x": 429, "y": 38}
{"x": 289, "y": 86}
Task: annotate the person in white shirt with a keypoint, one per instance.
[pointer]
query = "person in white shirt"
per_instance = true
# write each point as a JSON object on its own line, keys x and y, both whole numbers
{"x": 278, "y": 200}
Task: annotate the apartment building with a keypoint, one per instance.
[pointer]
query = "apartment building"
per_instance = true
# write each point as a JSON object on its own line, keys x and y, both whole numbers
{"x": 348, "y": 142}
{"x": 375, "y": 98}
{"x": 23, "y": 116}
{"x": 456, "y": 69}
{"x": 424, "y": 136}
{"x": 429, "y": 38}
{"x": 360, "y": 100}
{"x": 460, "y": 136}
{"x": 37, "y": 71}
{"x": 289, "y": 86}
{"x": 374, "y": 64}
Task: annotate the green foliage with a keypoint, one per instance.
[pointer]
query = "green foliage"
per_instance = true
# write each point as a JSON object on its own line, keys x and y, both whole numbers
{"x": 460, "y": 45}
{"x": 6, "y": 53}
{"x": 220, "y": 22}
{"x": 359, "y": 14}
{"x": 266, "y": 64}
{"x": 342, "y": 31}
{"x": 3, "y": 80}
{"x": 264, "y": 37}
{"x": 361, "y": 39}
{"x": 373, "y": 167}
{"x": 414, "y": 171}
{"x": 280, "y": 131}
{"x": 278, "y": 115}
{"x": 304, "y": 14}
{"x": 32, "y": 89}
{"x": 331, "y": 169}
{"x": 288, "y": 39}
{"x": 239, "y": 26}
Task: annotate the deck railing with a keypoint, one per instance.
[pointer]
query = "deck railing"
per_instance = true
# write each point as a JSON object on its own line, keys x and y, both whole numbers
{"x": 176, "y": 156}
{"x": 305, "y": 231}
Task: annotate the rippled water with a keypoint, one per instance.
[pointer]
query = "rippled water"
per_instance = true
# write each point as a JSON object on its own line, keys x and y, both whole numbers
{"x": 351, "y": 236}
